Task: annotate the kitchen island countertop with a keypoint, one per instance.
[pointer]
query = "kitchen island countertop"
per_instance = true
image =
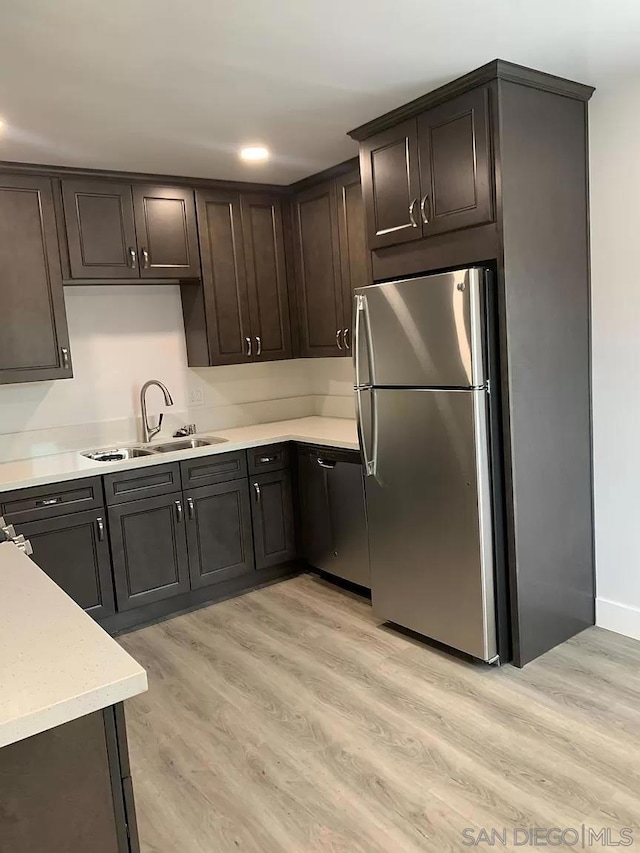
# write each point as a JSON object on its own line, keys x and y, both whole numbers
{"x": 56, "y": 663}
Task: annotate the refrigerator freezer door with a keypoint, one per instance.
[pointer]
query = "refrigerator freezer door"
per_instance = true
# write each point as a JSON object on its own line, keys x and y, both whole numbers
{"x": 429, "y": 511}
{"x": 421, "y": 332}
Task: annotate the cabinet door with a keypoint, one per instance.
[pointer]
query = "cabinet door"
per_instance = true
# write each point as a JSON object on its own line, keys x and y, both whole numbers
{"x": 317, "y": 259}
{"x": 224, "y": 278}
{"x": 391, "y": 185}
{"x": 166, "y": 229}
{"x": 34, "y": 342}
{"x": 266, "y": 276}
{"x": 149, "y": 550}
{"x": 455, "y": 168}
{"x": 74, "y": 552}
{"x": 100, "y": 229}
{"x": 273, "y": 523}
{"x": 354, "y": 254}
{"x": 219, "y": 532}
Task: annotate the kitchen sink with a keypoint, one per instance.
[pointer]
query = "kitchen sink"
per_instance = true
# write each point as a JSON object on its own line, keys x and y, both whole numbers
{"x": 117, "y": 454}
{"x": 187, "y": 444}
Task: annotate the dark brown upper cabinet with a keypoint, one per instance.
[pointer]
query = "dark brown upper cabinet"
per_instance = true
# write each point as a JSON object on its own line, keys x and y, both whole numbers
{"x": 167, "y": 234}
{"x": 116, "y": 231}
{"x": 34, "y": 343}
{"x": 455, "y": 170}
{"x": 318, "y": 274}
{"x": 391, "y": 185}
{"x": 101, "y": 233}
{"x": 241, "y": 313}
{"x": 354, "y": 257}
{"x": 331, "y": 258}
{"x": 223, "y": 316}
{"x": 263, "y": 238}
{"x": 430, "y": 174}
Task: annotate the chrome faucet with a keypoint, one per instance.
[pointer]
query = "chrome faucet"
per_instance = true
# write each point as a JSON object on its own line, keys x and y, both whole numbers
{"x": 147, "y": 431}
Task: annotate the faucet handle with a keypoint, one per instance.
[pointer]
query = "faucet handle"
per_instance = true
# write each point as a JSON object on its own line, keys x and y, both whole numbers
{"x": 187, "y": 429}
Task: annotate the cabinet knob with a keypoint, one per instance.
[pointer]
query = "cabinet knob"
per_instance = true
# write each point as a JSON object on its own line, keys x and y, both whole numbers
{"x": 258, "y": 345}
{"x": 248, "y": 343}
{"x": 191, "y": 509}
{"x": 145, "y": 258}
{"x": 338, "y": 344}
{"x": 134, "y": 257}
{"x": 345, "y": 338}
{"x": 100, "y": 526}
{"x": 256, "y": 488}
{"x": 179, "y": 511}
{"x": 66, "y": 362}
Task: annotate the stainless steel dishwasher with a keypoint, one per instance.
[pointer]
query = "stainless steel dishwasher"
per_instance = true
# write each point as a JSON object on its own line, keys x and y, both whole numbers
{"x": 333, "y": 513}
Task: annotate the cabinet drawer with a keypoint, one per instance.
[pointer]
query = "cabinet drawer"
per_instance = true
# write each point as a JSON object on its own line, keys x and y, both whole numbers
{"x": 142, "y": 483}
{"x": 272, "y": 457}
{"x": 51, "y": 501}
{"x": 214, "y": 469}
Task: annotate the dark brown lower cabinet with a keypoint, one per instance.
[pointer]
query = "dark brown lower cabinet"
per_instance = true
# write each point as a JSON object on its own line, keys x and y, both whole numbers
{"x": 149, "y": 550}
{"x": 68, "y": 789}
{"x": 273, "y": 520}
{"x": 73, "y": 550}
{"x": 220, "y": 541}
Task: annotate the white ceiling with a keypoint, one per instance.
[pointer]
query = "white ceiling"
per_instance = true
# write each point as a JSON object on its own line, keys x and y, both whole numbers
{"x": 176, "y": 86}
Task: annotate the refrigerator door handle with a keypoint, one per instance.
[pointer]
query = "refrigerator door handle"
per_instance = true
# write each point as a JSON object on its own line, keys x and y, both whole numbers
{"x": 370, "y": 463}
{"x": 362, "y": 335}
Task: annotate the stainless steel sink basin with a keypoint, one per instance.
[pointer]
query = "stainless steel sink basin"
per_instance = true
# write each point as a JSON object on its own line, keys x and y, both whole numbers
{"x": 187, "y": 444}
{"x": 117, "y": 454}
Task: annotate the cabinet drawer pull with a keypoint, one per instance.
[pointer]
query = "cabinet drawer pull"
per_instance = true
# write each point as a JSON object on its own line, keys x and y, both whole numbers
{"x": 258, "y": 345}
{"x": 345, "y": 338}
{"x": 265, "y": 460}
{"x": 257, "y": 491}
{"x": 338, "y": 344}
{"x": 191, "y": 509}
{"x": 65, "y": 358}
{"x": 248, "y": 342}
{"x": 145, "y": 258}
{"x": 423, "y": 213}
{"x": 412, "y": 217}
{"x": 100, "y": 526}
{"x": 49, "y": 501}
{"x": 323, "y": 464}
{"x": 179, "y": 511}
{"x": 134, "y": 258}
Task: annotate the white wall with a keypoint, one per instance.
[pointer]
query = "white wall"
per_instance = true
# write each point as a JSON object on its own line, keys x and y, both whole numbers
{"x": 615, "y": 237}
{"x": 121, "y": 336}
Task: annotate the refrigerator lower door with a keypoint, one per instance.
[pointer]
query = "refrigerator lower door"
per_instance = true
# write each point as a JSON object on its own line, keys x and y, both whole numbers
{"x": 429, "y": 512}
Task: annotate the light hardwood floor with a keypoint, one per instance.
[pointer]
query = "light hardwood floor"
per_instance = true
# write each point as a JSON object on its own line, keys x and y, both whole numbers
{"x": 287, "y": 720}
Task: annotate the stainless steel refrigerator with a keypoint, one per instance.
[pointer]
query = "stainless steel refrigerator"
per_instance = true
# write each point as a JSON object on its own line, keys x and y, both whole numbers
{"x": 422, "y": 400}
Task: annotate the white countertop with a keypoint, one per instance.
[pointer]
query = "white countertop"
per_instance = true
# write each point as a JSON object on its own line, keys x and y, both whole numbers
{"x": 332, "y": 432}
{"x": 56, "y": 663}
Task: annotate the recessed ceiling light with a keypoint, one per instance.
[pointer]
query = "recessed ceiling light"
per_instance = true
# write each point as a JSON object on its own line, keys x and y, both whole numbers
{"x": 254, "y": 152}
{"x": 1, "y": 125}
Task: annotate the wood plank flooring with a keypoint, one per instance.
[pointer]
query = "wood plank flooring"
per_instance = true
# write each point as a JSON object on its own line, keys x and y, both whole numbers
{"x": 287, "y": 720}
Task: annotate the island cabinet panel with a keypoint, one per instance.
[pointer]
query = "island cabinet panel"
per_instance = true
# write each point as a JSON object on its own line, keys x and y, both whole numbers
{"x": 34, "y": 343}
{"x": 74, "y": 551}
{"x": 149, "y": 550}
{"x": 219, "y": 532}
{"x": 62, "y": 791}
{"x": 101, "y": 231}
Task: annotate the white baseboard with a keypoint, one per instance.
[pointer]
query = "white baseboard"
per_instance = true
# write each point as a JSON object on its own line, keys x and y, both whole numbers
{"x": 618, "y": 617}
